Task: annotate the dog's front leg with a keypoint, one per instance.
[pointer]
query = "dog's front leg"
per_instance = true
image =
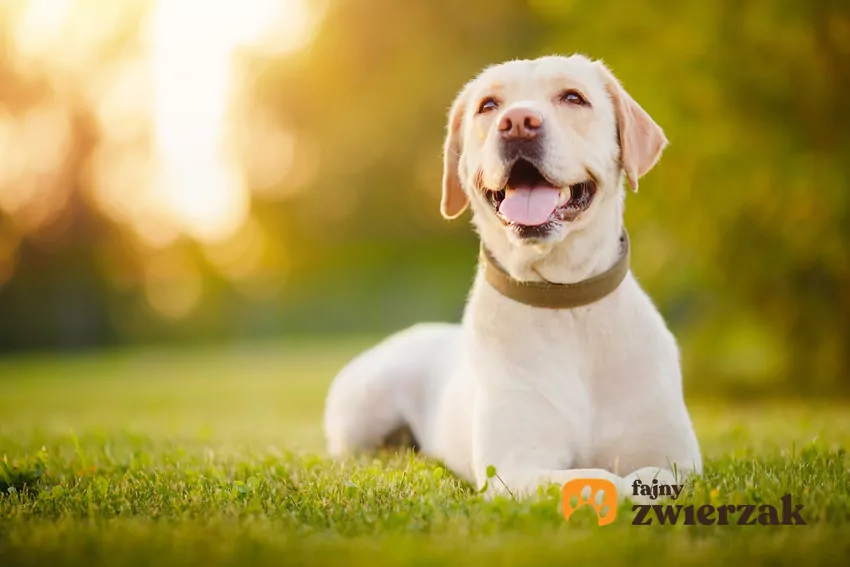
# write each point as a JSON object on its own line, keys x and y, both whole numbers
{"x": 529, "y": 442}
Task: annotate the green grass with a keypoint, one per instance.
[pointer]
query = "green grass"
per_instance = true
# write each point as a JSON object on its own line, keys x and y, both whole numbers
{"x": 214, "y": 457}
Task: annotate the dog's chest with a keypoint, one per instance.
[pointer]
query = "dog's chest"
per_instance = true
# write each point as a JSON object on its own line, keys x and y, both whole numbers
{"x": 586, "y": 360}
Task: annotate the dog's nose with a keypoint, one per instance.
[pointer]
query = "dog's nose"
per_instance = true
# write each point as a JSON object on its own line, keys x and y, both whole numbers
{"x": 520, "y": 123}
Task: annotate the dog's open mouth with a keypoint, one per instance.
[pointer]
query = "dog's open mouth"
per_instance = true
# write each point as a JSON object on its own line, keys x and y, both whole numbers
{"x": 529, "y": 199}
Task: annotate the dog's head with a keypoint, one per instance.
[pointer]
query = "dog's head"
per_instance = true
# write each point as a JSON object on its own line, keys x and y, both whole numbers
{"x": 537, "y": 147}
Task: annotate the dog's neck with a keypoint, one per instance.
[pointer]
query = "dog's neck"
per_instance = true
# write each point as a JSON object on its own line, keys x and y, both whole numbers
{"x": 580, "y": 255}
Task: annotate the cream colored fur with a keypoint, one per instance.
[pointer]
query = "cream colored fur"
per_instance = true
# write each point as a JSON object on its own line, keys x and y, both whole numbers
{"x": 544, "y": 396}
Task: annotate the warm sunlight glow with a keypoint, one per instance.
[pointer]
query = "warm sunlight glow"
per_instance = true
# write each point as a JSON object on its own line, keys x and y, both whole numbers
{"x": 38, "y": 26}
{"x": 34, "y": 147}
{"x": 198, "y": 176}
{"x": 146, "y": 109}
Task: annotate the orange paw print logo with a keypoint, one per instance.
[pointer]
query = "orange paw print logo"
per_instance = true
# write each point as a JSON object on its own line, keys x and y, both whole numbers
{"x": 599, "y": 494}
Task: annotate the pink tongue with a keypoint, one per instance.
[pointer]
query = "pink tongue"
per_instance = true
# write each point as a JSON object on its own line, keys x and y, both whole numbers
{"x": 529, "y": 206}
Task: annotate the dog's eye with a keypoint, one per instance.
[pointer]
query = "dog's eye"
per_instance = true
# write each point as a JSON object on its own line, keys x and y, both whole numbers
{"x": 573, "y": 97}
{"x": 487, "y": 105}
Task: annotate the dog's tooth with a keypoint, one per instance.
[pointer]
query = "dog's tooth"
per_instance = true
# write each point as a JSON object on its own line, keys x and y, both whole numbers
{"x": 564, "y": 196}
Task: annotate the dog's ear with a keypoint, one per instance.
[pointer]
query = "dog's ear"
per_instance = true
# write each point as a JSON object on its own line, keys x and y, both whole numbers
{"x": 454, "y": 201}
{"x": 641, "y": 139}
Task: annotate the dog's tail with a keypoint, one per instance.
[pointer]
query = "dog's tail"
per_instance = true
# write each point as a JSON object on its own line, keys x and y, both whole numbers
{"x": 383, "y": 398}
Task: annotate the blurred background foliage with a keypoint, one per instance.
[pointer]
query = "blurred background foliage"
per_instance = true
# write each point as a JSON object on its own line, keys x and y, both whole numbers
{"x": 218, "y": 171}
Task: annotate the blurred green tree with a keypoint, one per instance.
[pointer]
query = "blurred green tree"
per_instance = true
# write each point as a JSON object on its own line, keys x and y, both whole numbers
{"x": 740, "y": 232}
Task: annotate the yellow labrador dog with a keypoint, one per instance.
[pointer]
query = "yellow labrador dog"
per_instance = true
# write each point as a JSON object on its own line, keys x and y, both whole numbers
{"x": 562, "y": 367}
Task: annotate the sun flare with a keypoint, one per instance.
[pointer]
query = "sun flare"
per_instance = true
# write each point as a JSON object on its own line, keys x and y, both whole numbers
{"x": 198, "y": 177}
